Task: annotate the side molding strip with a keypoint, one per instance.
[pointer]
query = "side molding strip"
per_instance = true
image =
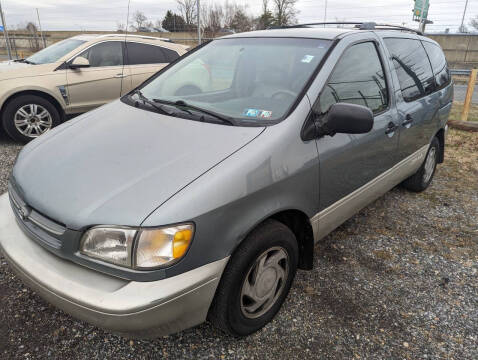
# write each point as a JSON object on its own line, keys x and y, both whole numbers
{"x": 330, "y": 218}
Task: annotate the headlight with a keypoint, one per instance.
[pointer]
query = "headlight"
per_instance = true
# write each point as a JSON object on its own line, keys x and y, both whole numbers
{"x": 161, "y": 246}
{"x": 113, "y": 245}
{"x": 137, "y": 248}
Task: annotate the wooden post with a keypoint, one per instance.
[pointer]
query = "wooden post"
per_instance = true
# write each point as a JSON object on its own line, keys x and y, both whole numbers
{"x": 469, "y": 95}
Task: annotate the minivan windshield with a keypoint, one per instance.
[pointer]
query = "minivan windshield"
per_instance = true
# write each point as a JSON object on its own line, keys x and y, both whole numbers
{"x": 54, "y": 52}
{"x": 254, "y": 80}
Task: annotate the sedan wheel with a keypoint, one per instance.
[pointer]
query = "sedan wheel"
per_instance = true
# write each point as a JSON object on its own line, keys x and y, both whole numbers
{"x": 32, "y": 120}
{"x": 26, "y": 117}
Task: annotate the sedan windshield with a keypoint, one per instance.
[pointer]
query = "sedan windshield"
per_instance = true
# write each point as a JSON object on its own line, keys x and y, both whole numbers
{"x": 54, "y": 52}
{"x": 253, "y": 80}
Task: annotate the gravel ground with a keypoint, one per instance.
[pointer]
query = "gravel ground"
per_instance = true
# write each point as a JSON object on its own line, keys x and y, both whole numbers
{"x": 398, "y": 280}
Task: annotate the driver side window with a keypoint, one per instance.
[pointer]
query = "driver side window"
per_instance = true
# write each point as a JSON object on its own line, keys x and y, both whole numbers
{"x": 358, "y": 78}
{"x": 104, "y": 54}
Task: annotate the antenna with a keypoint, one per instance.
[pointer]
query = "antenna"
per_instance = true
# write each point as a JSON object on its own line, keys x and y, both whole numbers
{"x": 125, "y": 48}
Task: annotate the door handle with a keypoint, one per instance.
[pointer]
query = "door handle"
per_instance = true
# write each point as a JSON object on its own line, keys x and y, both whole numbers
{"x": 120, "y": 75}
{"x": 408, "y": 120}
{"x": 391, "y": 128}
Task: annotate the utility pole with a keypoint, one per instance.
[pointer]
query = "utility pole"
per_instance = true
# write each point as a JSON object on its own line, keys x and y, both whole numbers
{"x": 463, "y": 18}
{"x": 41, "y": 32}
{"x": 5, "y": 33}
{"x": 325, "y": 13}
{"x": 199, "y": 22}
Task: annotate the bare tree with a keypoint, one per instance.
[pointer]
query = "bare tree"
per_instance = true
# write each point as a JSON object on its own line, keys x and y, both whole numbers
{"x": 33, "y": 38}
{"x": 463, "y": 29}
{"x": 285, "y": 12}
{"x": 188, "y": 10}
{"x": 139, "y": 20}
{"x": 212, "y": 17}
{"x": 240, "y": 21}
{"x": 266, "y": 19}
{"x": 474, "y": 22}
{"x": 120, "y": 27}
{"x": 236, "y": 17}
{"x": 229, "y": 11}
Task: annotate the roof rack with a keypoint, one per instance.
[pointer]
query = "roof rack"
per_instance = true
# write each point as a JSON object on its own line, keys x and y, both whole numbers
{"x": 136, "y": 36}
{"x": 358, "y": 25}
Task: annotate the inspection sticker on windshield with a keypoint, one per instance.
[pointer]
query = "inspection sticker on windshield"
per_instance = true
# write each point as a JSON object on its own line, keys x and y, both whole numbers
{"x": 257, "y": 113}
{"x": 307, "y": 58}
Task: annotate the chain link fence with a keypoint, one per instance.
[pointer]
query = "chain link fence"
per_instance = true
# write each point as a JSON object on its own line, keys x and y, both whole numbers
{"x": 23, "y": 45}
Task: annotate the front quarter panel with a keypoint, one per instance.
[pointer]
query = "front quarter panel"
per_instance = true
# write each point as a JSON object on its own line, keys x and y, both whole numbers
{"x": 274, "y": 172}
{"x": 47, "y": 84}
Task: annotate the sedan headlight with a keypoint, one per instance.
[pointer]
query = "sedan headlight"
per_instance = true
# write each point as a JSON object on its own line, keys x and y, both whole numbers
{"x": 137, "y": 248}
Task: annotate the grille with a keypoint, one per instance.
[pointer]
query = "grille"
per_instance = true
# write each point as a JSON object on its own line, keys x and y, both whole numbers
{"x": 39, "y": 226}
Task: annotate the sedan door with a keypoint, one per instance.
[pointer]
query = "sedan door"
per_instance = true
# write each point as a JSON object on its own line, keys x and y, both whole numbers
{"x": 101, "y": 82}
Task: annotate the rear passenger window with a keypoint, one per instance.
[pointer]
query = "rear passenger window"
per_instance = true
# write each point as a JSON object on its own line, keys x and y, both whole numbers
{"x": 170, "y": 55}
{"x": 148, "y": 54}
{"x": 439, "y": 64}
{"x": 412, "y": 66}
{"x": 358, "y": 78}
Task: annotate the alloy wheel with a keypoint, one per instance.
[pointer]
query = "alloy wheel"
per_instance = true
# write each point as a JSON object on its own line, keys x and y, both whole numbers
{"x": 32, "y": 120}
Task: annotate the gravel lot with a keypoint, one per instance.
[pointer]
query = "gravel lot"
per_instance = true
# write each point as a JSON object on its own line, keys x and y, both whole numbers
{"x": 399, "y": 280}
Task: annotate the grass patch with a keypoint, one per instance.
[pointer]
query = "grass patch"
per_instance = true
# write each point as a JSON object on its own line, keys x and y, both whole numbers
{"x": 457, "y": 108}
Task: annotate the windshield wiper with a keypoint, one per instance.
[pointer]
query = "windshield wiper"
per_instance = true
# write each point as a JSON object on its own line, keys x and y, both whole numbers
{"x": 182, "y": 105}
{"x": 153, "y": 104}
{"x": 25, "y": 61}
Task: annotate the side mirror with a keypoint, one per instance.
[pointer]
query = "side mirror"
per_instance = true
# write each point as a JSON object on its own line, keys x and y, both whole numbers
{"x": 79, "y": 62}
{"x": 348, "y": 119}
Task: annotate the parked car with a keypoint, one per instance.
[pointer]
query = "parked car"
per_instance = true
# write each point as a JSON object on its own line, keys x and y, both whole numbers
{"x": 167, "y": 208}
{"x": 161, "y": 30}
{"x": 74, "y": 76}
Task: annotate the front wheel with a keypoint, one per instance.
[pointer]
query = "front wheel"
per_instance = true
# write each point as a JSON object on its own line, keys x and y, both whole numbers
{"x": 423, "y": 177}
{"x": 256, "y": 281}
{"x": 29, "y": 116}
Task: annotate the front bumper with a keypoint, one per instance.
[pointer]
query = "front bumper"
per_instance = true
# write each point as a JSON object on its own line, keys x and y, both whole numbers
{"x": 140, "y": 309}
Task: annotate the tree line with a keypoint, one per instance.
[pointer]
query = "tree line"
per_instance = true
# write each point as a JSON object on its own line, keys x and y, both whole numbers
{"x": 216, "y": 17}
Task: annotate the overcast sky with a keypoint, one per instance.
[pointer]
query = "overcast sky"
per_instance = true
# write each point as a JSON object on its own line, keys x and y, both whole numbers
{"x": 104, "y": 15}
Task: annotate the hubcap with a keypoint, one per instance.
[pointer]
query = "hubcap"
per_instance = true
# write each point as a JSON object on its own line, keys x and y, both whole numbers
{"x": 429, "y": 165}
{"x": 264, "y": 282}
{"x": 32, "y": 120}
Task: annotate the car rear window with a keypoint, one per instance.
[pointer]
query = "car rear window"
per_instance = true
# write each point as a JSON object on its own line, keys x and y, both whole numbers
{"x": 412, "y": 66}
{"x": 137, "y": 53}
{"x": 439, "y": 64}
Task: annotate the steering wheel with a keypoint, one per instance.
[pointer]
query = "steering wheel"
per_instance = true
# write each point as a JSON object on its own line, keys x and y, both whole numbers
{"x": 280, "y": 94}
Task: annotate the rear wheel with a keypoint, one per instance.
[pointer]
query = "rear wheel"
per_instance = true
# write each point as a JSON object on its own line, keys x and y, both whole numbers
{"x": 256, "y": 280}
{"x": 29, "y": 116}
{"x": 423, "y": 177}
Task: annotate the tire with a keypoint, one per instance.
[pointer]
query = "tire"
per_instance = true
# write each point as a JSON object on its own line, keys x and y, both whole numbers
{"x": 232, "y": 309}
{"x": 424, "y": 176}
{"x": 21, "y": 109}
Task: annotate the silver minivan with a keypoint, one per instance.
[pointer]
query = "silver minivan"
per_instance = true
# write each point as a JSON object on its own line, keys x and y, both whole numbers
{"x": 199, "y": 194}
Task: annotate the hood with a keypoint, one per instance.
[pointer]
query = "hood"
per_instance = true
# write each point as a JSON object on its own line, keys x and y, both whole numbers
{"x": 117, "y": 164}
{"x": 14, "y": 69}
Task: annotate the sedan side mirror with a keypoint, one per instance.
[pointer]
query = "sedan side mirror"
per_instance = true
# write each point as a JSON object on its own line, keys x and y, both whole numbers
{"x": 79, "y": 62}
{"x": 348, "y": 119}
